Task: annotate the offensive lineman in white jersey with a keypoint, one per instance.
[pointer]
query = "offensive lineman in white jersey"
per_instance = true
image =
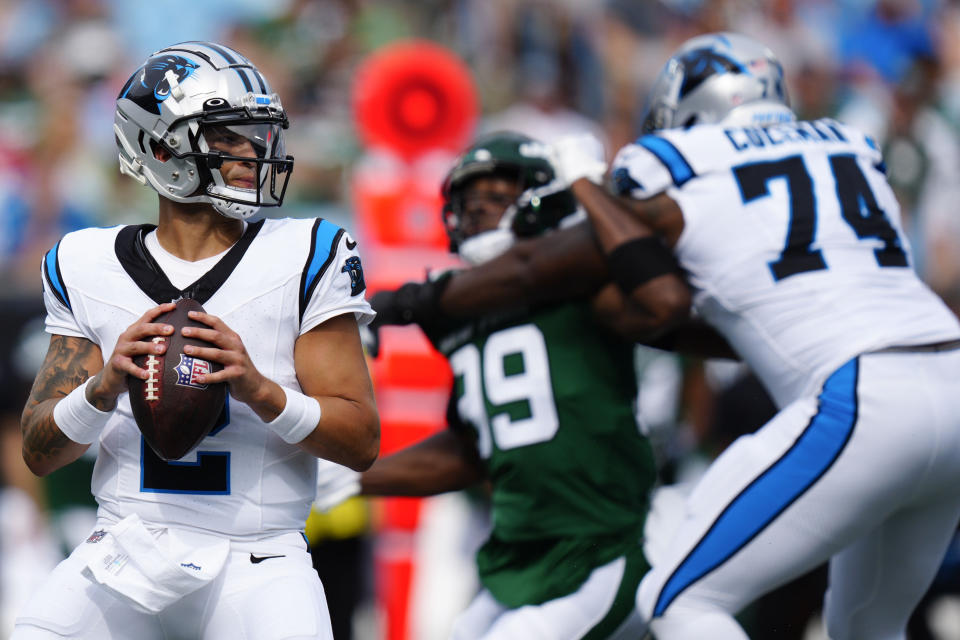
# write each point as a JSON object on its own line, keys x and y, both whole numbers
{"x": 792, "y": 243}
{"x": 209, "y": 546}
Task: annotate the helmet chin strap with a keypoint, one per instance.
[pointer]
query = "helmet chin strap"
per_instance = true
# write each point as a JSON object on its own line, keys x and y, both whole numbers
{"x": 229, "y": 208}
{"x": 235, "y": 210}
{"x": 485, "y": 246}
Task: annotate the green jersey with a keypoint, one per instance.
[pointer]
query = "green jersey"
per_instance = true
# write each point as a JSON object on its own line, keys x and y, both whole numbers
{"x": 549, "y": 397}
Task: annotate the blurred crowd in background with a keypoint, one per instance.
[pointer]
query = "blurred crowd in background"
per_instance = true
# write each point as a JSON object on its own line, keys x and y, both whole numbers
{"x": 891, "y": 67}
{"x": 544, "y": 67}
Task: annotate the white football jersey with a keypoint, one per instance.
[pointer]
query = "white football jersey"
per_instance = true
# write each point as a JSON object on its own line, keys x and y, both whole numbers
{"x": 281, "y": 279}
{"x": 792, "y": 242}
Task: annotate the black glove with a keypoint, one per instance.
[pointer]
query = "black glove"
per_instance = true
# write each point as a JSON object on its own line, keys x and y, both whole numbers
{"x": 411, "y": 303}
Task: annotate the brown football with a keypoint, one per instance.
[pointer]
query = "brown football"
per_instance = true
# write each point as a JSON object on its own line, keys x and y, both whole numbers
{"x": 173, "y": 411}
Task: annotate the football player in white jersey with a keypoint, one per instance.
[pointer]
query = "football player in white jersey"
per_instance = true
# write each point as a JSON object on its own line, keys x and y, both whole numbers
{"x": 208, "y": 546}
{"x": 792, "y": 242}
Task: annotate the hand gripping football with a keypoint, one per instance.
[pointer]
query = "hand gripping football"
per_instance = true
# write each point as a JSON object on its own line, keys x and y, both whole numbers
{"x": 173, "y": 410}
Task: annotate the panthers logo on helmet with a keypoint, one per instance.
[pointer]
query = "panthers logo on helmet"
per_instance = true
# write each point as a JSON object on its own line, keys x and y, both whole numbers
{"x": 700, "y": 64}
{"x": 148, "y": 87}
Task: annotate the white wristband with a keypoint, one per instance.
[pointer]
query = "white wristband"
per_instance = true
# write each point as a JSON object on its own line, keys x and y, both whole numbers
{"x": 77, "y": 418}
{"x": 299, "y": 417}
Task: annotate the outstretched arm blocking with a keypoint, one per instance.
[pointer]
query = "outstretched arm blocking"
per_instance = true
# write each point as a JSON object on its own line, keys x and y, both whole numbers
{"x": 557, "y": 266}
{"x": 656, "y": 297}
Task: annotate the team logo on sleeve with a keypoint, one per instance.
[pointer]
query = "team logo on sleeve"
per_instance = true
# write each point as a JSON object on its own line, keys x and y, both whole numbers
{"x": 189, "y": 369}
{"x": 623, "y": 182}
{"x": 354, "y": 269}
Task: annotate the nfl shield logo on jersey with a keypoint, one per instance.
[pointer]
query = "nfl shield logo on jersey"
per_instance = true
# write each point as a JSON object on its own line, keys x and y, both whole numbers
{"x": 188, "y": 370}
{"x": 96, "y": 536}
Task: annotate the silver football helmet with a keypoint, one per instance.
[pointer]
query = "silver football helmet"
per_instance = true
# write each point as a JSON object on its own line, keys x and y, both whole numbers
{"x": 199, "y": 123}
{"x": 718, "y": 77}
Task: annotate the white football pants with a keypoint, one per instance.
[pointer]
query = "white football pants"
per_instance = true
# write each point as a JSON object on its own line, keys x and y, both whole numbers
{"x": 594, "y": 610}
{"x": 865, "y": 474}
{"x": 278, "y": 597}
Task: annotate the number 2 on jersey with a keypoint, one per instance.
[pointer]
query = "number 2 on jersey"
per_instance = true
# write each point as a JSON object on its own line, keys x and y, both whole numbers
{"x": 209, "y": 475}
{"x": 512, "y": 375}
{"x": 858, "y": 206}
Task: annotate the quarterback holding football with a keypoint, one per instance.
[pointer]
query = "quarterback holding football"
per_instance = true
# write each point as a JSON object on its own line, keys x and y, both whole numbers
{"x": 202, "y": 498}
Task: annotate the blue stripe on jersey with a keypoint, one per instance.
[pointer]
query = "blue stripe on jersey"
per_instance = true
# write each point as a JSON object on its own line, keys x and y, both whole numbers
{"x": 51, "y": 264}
{"x": 776, "y": 488}
{"x": 322, "y": 249}
{"x": 224, "y": 420}
{"x": 680, "y": 170}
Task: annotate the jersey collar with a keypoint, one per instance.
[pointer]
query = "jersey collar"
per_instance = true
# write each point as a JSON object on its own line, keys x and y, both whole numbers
{"x": 146, "y": 273}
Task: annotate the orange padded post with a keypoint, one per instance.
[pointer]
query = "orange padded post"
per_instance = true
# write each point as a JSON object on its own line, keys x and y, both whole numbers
{"x": 415, "y": 107}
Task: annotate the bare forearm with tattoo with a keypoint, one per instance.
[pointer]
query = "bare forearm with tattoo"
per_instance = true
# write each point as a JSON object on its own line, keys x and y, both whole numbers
{"x": 69, "y": 362}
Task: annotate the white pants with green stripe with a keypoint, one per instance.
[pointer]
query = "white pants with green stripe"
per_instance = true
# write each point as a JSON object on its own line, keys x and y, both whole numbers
{"x": 602, "y": 608}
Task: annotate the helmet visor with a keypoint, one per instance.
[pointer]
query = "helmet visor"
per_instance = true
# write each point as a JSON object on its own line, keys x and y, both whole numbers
{"x": 260, "y": 140}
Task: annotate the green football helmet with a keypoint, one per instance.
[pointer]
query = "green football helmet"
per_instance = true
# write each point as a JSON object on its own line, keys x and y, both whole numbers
{"x": 542, "y": 204}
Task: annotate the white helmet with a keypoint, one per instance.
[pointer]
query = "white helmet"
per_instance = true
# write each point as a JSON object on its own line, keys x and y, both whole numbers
{"x": 718, "y": 77}
{"x": 204, "y": 104}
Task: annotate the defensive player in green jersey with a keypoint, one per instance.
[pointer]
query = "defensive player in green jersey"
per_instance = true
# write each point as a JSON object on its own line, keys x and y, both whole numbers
{"x": 543, "y": 409}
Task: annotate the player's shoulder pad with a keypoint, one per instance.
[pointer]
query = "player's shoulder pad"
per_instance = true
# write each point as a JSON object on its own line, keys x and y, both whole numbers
{"x": 652, "y": 164}
{"x": 863, "y": 143}
{"x": 73, "y": 254}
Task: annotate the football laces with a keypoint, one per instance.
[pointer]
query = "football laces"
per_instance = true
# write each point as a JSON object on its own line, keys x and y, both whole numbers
{"x": 153, "y": 370}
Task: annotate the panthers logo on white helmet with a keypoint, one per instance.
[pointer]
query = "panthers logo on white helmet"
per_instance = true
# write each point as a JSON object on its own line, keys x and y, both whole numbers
{"x": 151, "y": 86}
{"x": 719, "y": 77}
{"x": 190, "y": 109}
